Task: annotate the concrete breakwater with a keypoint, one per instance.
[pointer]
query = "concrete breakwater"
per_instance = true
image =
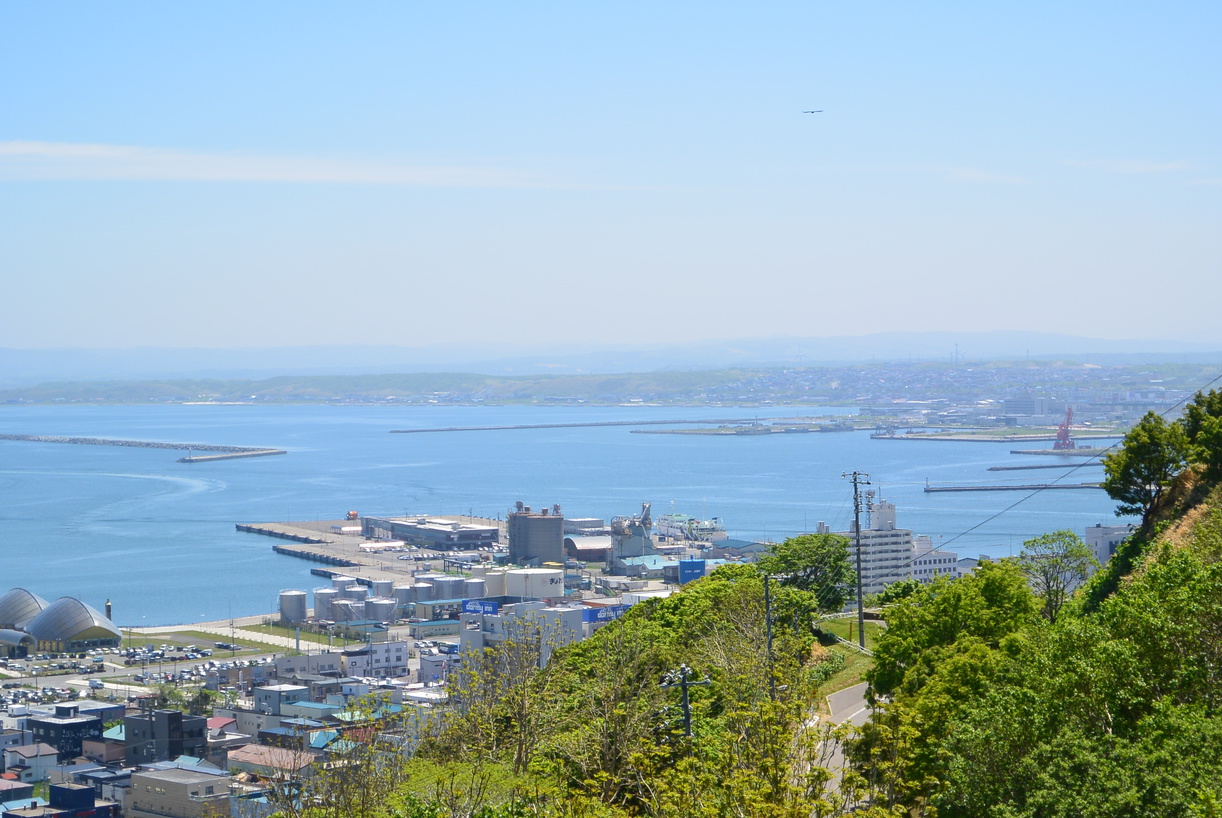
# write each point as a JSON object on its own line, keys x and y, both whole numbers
{"x": 1030, "y": 487}
{"x": 222, "y": 452}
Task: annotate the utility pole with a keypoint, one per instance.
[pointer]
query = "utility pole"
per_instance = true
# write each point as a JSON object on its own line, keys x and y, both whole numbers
{"x": 768, "y": 626}
{"x": 859, "y": 478}
{"x": 679, "y": 678}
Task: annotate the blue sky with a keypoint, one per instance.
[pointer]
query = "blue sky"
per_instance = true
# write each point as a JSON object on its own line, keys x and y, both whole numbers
{"x": 276, "y": 174}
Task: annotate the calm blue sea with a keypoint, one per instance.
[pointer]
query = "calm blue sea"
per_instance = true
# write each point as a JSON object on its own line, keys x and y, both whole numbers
{"x": 157, "y": 537}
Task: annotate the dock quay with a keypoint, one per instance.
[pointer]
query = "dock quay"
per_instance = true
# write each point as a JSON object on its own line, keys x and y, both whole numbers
{"x": 336, "y": 552}
{"x": 518, "y": 426}
{"x": 1029, "y": 487}
{"x": 283, "y": 532}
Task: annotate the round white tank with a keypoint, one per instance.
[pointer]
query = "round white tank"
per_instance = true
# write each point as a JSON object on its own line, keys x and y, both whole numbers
{"x": 341, "y": 581}
{"x": 323, "y": 600}
{"x": 424, "y": 592}
{"x": 380, "y": 609}
{"x": 534, "y": 583}
{"x": 494, "y": 583}
{"x": 383, "y": 588}
{"x": 293, "y": 607}
{"x": 354, "y": 592}
{"x": 479, "y": 571}
{"x": 405, "y": 594}
{"x": 474, "y": 588}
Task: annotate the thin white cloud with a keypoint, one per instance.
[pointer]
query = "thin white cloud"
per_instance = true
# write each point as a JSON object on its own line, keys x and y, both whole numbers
{"x": 46, "y": 161}
{"x": 1127, "y": 165}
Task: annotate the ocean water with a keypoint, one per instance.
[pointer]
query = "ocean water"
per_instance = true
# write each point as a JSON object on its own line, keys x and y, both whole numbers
{"x": 157, "y": 537}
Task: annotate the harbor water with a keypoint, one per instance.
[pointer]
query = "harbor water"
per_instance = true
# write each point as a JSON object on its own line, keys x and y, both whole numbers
{"x": 157, "y": 537}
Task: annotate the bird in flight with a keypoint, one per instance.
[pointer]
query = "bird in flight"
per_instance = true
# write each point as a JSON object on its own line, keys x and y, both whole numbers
{"x": 814, "y": 112}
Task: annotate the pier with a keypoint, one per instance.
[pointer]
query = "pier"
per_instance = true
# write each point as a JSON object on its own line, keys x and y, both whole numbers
{"x": 1039, "y": 466}
{"x": 1030, "y": 487}
{"x": 219, "y": 452}
{"x": 205, "y": 458}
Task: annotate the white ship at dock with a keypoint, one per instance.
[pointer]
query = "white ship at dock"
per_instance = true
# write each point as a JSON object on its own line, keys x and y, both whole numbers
{"x": 684, "y": 527}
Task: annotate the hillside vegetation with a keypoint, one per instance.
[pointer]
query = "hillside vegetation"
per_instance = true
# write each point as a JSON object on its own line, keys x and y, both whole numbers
{"x": 988, "y": 700}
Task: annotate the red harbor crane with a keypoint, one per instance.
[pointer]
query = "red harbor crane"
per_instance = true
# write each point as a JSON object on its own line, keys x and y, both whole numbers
{"x": 1064, "y": 441}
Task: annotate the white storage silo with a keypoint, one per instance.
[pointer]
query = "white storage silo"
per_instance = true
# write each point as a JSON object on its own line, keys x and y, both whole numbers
{"x": 534, "y": 583}
{"x": 424, "y": 592}
{"x": 341, "y": 581}
{"x": 294, "y": 607}
{"x": 494, "y": 583}
{"x": 354, "y": 592}
{"x": 474, "y": 588}
{"x": 383, "y": 588}
{"x": 323, "y": 600}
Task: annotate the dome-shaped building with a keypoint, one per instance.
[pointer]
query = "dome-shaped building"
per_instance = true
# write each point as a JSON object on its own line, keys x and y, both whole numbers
{"x": 68, "y": 625}
{"x": 18, "y": 607}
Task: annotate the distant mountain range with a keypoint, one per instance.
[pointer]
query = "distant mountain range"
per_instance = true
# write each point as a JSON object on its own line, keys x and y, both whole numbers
{"x": 27, "y": 367}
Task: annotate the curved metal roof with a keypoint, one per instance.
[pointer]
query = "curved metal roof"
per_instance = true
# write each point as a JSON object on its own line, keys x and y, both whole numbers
{"x": 13, "y": 639}
{"x": 69, "y": 620}
{"x": 18, "y": 607}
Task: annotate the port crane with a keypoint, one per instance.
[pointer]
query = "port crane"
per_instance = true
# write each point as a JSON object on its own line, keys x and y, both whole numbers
{"x": 1064, "y": 441}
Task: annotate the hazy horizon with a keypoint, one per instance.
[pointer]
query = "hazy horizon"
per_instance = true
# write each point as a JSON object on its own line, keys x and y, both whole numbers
{"x": 288, "y": 175}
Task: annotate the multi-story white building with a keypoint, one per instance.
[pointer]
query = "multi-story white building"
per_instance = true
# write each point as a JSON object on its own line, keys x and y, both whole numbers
{"x": 886, "y": 551}
{"x": 1103, "y": 540}
{"x": 521, "y": 620}
{"x": 377, "y": 659}
{"x": 929, "y": 563}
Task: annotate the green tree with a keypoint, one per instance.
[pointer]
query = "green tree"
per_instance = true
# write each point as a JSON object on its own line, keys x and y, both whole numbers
{"x": 1151, "y": 455}
{"x": 814, "y": 562}
{"x": 1056, "y": 564}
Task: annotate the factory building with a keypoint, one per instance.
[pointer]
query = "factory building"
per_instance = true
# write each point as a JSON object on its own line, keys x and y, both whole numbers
{"x": 431, "y": 532}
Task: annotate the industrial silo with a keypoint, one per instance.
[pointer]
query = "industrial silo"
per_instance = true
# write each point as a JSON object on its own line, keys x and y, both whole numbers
{"x": 323, "y": 600}
{"x": 354, "y": 592}
{"x": 535, "y": 583}
{"x": 380, "y": 609}
{"x": 494, "y": 583}
{"x": 424, "y": 592}
{"x": 293, "y": 607}
{"x": 347, "y": 610}
{"x": 383, "y": 588}
{"x": 341, "y": 581}
{"x": 404, "y": 594}
{"x": 474, "y": 588}
{"x": 448, "y": 587}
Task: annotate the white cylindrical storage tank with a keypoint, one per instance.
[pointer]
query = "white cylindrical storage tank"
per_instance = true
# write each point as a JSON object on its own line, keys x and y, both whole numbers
{"x": 494, "y": 583}
{"x": 380, "y": 609}
{"x": 405, "y": 594}
{"x": 294, "y": 607}
{"x": 346, "y": 610}
{"x": 479, "y": 571}
{"x": 341, "y": 581}
{"x": 424, "y": 592}
{"x": 323, "y": 600}
{"x": 534, "y": 583}
{"x": 383, "y": 588}
{"x": 448, "y": 587}
{"x": 354, "y": 592}
{"x": 474, "y": 588}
